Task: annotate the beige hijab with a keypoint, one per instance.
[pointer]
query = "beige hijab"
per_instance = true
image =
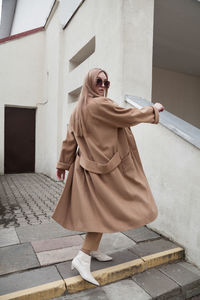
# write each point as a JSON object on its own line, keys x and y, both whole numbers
{"x": 87, "y": 91}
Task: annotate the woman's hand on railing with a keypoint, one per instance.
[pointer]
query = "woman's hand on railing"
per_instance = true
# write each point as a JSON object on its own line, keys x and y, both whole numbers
{"x": 60, "y": 173}
{"x": 159, "y": 106}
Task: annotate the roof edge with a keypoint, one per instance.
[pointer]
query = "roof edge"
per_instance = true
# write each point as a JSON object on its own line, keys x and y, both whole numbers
{"x": 21, "y": 34}
{"x": 51, "y": 13}
{"x": 73, "y": 14}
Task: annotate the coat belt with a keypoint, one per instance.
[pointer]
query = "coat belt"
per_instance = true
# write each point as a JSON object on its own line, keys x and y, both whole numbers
{"x": 100, "y": 168}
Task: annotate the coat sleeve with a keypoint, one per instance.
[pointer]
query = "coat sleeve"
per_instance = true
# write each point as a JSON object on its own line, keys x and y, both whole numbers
{"x": 108, "y": 111}
{"x": 68, "y": 151}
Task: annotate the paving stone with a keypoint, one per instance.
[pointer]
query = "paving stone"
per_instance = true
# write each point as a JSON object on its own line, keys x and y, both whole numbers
{"x": 27, "y": 193}
{"x": 189, "y": 281}
{"x": 58, "y": 255}
{"x": 64, "y": 269}
{"x": 114, "y": 242}
{"x": 190, "y": 292}
{"x": 90, "y": 294}
{"x": 180, "y": 274}
{"x": 58, "y": 243}
{"x": 141, "y": 234}
{"x": 118, "y": 258}
{"x": 157, "y": 284}
{"x": 28, "y": 279}
{"x": 178, "y": 297}
{"x": 34, "y": 222}
{"x": 8, "y": 237}
{"x": 42, "y": 231}
{"x": 194, "y": 298}
{"x": 125, "y": 289}
{"x": 150, "y": 247}
{"x": 190, "y": 267}
{"x": 16, "y": 258}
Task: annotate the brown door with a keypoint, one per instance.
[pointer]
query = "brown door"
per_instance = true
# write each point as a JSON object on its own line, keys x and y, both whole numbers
{"x": 19, "y": 140}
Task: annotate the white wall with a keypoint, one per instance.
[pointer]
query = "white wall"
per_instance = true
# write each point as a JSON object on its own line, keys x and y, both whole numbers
{"x": 174, "y": 179}
{"x": 21, "y": 65}
{"x": 179, "y": 93}
{"x": 137, "y": 43}
{"x": 67, "y": 8}
{"x": 21, "y": 73}
{"x": 30, "y": 14}
{"x": 49, "y": 115}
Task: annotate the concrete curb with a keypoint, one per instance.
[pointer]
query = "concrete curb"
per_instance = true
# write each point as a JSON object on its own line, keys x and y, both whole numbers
{"x": 44, "y": 291}
{"x": 124, "y": 270}
{"x": 103, "y": 276}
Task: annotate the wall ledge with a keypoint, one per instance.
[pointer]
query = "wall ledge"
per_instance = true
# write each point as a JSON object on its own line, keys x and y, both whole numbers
{"x": 177, "y": 125}
{"x": 21, "y": 34}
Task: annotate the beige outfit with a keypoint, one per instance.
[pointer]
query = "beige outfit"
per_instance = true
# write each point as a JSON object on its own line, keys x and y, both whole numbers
{"x": 106, "y": 188}
{"x": 92, "y": 241}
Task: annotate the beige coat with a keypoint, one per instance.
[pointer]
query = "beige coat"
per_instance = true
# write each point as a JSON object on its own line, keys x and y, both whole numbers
{"x": 106, "y": 189}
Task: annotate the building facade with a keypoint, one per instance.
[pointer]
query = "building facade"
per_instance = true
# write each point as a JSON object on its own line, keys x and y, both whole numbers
{"x": 150, "y": 49}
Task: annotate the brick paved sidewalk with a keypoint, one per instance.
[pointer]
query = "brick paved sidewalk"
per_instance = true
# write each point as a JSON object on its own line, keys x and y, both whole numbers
{"x": 27, "y": 198}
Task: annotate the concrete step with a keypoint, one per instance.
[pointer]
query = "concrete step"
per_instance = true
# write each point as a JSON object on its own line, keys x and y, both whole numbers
{"x": 125, "y": 270}
{"x": 175, "y": 281}
{"x": 36, "y": 268}
{"x": 46, "y": 282}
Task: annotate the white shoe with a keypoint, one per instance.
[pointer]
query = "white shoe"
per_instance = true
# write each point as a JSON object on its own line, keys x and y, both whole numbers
{"x": 100, "y": 256}
{"x": 82, "y": 264}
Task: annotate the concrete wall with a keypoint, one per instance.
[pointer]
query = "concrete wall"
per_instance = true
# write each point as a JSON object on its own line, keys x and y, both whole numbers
{"x": 174, "y": 179}
{"x": 179, "y": 93}
{"x": 67, "y": 8}
{"x": 48, "y": 115}
{"x": 137, "y": 43}
{"x": 21, "y": 72}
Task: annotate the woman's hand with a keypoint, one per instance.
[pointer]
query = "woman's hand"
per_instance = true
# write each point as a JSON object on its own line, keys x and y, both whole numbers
{"x": 60, "y": 174}
{"x": 159, "y": 106}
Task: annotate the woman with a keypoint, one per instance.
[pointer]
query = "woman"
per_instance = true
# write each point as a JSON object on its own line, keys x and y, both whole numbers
{"x": 106, "y": 188}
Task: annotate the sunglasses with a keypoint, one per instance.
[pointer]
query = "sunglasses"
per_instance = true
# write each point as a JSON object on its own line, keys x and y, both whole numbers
{"x": 100, "y": 82}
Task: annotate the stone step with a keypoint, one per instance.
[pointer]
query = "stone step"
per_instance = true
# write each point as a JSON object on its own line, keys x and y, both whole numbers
{"x": 35, "y": 264}
{"x": 124, "y": 270}
{"x": 48, "y": 283}
{"x": 174, "y": 281}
